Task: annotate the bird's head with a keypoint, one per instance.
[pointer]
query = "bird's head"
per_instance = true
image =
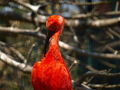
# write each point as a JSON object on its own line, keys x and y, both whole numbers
{"x": 55, "y": 23}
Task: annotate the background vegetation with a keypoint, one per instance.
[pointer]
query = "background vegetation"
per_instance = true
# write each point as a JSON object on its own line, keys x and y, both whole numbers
{"x": 90, "y": 42}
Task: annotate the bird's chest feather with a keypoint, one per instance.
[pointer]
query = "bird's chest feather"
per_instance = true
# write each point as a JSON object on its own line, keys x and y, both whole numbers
{"x": 53, "y": 75}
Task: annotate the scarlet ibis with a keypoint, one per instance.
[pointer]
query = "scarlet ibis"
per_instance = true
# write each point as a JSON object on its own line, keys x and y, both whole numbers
{"x": 51, "y": 72}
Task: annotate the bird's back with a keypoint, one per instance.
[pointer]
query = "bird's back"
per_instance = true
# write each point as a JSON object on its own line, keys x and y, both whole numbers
{"x": 50, "y": 76}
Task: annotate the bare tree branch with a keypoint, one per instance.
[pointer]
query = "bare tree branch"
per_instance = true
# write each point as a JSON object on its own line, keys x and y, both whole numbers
{"x": 88, "y": 3}
{"x": 22, "y": 31}
{"x": 112, "y": 44}
{"x": 87, "y": 53}
{"x": 15, "y": 16}
{"x": 93, "y": 23}
{"x": 102, "y": 74}
{"x": 62, "y": 44}
{"x": 16, "y": 52}
{"x": 68, "y": 22}
{"x": 7, "y": 59}
{"x": 101, "y": 86}
{"x": 27, "y": 5}
{"x": 75, "y": 61}
{"x": 88, "y": 15}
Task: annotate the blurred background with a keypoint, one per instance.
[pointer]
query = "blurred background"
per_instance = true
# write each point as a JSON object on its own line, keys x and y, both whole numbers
{"x": 90, "y": 42}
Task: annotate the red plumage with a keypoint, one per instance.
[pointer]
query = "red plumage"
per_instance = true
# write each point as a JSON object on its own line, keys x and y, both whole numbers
{"x": 51, "y": 72}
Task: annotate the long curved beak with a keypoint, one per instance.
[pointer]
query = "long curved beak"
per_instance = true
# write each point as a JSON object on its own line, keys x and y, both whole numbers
{"x": 47, "y": 42}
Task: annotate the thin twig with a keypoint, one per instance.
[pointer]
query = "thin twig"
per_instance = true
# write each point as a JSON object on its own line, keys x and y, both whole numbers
{"x": 114, "y": 33}
{"x": 75, "y": 61}
{"x": 30, "y": 51}
{"x": 16, "y": 52}
{"x": 97, "y": 74}
{"x": 117, "y": 6}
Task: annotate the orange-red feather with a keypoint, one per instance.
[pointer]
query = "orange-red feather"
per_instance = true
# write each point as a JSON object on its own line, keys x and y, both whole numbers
{"x": 51, "y": 76}
{"x": 51, "y": 72}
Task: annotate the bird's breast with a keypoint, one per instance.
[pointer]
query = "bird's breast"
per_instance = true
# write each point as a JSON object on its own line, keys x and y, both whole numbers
{"x": 51, "y": 76}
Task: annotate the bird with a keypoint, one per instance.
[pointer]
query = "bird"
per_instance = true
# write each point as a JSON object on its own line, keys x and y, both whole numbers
{"x": 51, "y": 72}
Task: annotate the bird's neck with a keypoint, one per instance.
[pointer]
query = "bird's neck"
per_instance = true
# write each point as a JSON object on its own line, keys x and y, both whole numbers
{"x": 53, "y": 50}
